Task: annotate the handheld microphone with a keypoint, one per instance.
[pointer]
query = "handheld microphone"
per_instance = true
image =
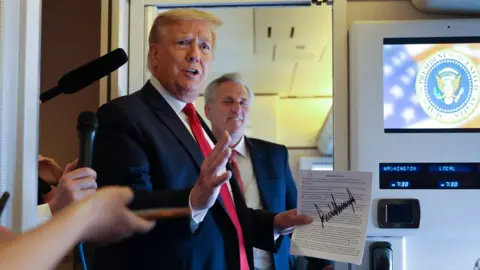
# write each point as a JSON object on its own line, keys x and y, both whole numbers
{"x": 87, "y": 74}
{"x": 87, "y": 124}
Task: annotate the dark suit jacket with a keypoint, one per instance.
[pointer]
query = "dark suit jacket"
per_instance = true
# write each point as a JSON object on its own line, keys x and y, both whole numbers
{"x": 143, "y": 144}
{"x": 278, "y": 192}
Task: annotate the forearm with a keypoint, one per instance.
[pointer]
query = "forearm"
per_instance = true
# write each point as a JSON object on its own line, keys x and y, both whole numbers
{"x": 32, "y": 249}
{"x": 263, "y": 231}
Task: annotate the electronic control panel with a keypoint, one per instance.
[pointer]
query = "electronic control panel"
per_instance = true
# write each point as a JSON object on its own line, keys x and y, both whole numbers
{"x": 429, "y": 175}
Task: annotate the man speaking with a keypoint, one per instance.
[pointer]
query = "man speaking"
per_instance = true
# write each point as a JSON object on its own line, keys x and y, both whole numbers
{"x": 154, "y": 141}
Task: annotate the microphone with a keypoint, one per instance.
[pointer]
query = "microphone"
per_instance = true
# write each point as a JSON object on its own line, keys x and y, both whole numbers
{"x": 87, "y": 74}
{"x": 87, "y": 124}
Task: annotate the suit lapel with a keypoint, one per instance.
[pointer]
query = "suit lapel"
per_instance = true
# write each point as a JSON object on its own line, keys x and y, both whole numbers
{"x": 260, "y": 167}
{"x": 171, "y": 120}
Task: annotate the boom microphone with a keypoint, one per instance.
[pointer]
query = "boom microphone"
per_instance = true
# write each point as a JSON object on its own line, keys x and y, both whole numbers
{"x": 87, "y": 74}
{"x": 86, "y": 127}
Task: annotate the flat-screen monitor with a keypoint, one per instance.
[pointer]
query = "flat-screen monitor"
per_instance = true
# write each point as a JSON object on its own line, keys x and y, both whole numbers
{"x": 431, "y": 84}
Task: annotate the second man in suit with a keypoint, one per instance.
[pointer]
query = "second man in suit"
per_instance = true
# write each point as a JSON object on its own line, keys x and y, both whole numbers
{"x": 260, "y": 167}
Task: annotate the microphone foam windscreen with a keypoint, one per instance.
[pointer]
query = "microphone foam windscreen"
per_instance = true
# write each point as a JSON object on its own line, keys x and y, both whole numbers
{"x": 93, "y": 71}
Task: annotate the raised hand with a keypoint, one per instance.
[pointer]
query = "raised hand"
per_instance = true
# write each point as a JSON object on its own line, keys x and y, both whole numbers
{"x": 213, "y": 174}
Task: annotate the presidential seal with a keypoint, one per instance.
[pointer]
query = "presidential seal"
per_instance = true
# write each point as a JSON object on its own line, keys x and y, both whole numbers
{"x": 448, "y": 86}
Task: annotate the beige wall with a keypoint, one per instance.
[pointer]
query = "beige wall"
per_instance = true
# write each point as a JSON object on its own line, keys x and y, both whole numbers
{"x": 70, "y": 38}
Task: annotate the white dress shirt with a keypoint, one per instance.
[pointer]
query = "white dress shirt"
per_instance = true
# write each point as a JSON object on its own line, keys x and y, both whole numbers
{"x": 262, "y": 259}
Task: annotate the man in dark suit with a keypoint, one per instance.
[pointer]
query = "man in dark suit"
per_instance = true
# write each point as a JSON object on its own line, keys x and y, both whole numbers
{"x": 154, "y": 141}
{"x": 261, "y": 167}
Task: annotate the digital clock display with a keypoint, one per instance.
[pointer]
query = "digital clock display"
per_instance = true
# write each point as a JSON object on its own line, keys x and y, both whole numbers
{"x": 449, "y": 184}
{"x": 400, "y": 184}
{"x": 433, "y": 175}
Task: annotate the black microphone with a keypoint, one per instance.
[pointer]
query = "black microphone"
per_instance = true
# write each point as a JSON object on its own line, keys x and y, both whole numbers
{"x": 86, "y": 127}
{"x": 87, "y": 124}
{"x": 87, "y": 74}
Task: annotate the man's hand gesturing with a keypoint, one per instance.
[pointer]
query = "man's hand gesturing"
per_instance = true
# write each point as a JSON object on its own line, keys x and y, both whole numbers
{"x": 212, "y": 175}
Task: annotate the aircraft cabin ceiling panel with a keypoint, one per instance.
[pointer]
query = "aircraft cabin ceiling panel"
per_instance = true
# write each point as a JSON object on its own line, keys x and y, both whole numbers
{"x": 235, "y": 36}
{"x": 301, "y": 36}
{"x": 288, "y": 63}
{"x": 262, "y": 76}
{"x": 448, "y": 6}
{"x": 293, "y": 32}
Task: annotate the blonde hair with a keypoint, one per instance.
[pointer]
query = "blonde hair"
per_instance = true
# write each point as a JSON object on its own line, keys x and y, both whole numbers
{"x": 211, "y": 89}
{"x": 179, "y": 14}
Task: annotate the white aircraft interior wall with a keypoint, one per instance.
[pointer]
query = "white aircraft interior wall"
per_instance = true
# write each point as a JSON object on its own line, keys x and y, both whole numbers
{"x": 449, "y": 218}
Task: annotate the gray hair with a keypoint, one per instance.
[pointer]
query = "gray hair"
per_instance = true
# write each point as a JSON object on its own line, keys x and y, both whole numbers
{"x": 211, "y": 90}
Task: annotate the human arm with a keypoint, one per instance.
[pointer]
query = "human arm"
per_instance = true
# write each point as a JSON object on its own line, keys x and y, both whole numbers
{"x": 262, "y": 230}
{"x": 102, "y": 218}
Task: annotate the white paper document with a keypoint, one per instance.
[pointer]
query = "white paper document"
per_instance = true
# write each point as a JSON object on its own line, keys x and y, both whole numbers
{"x": 339, "y": 203}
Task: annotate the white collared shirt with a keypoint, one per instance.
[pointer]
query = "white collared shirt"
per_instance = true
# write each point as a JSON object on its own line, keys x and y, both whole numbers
{"x": 262, "y": 259}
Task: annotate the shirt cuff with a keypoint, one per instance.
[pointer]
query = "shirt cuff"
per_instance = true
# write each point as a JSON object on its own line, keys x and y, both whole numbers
{"x": 277, "y": 233}
{"x": 275, "y": 236}
{"x": 196, "y": 216}
{"x": 44, "y": 213}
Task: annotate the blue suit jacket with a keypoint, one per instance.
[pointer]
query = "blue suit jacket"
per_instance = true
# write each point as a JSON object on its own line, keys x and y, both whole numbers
{"x": 278, "y": 192}
{"x": 142, "y": 143}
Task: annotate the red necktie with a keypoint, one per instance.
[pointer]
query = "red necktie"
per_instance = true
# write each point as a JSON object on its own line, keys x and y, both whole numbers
{"x": 236, "y": 170}
{"x": 197, "y": 131}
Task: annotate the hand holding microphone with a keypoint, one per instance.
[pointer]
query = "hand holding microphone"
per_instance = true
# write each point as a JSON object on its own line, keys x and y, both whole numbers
{"x": 74, "y": 185}
{"x": 78, "y": 180}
